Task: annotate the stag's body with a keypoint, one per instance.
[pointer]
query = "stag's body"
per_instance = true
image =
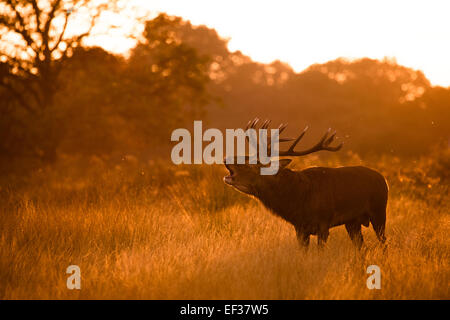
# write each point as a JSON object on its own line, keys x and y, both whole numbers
{"x": 317, "y": 199}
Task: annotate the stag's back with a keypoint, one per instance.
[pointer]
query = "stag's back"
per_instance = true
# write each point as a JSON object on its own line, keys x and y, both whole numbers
{"x": 348, "y": 192}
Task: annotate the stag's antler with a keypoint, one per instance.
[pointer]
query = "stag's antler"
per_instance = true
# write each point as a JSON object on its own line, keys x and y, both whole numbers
{"x": 252, "y": 124}
{"x": 323, "y": 144}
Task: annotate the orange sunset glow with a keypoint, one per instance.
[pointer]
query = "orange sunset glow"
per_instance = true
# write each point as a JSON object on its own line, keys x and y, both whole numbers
{"x": 305, "y": 32}
{"x": 224, "y": 150}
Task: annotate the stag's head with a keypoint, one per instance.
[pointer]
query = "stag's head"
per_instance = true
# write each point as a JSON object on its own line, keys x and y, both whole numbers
{"x": 246, "y": 177}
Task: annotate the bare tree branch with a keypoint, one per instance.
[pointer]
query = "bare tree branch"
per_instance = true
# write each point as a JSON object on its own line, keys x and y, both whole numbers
{"x": 20, "y": 28}
{"x": 37, "y": 13}
{"x": 46, "y": 30}
{"x": 63, "y": 31}
{"x": 75, "y": 41}
{"x": 37, "y": 71}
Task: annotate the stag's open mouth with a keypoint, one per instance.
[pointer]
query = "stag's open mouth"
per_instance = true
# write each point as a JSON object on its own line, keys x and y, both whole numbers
{"x": 229, "y": 179}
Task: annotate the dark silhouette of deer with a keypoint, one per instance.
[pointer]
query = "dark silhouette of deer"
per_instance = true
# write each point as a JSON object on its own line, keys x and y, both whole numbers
{"x": 319, "y": 198}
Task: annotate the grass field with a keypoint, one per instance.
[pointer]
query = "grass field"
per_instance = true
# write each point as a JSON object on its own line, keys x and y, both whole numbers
{"x": 154, "y": 231}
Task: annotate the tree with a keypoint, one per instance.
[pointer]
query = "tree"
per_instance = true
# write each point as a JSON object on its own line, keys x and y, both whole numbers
{"x": 34, "y": 38}
{"x": 131, "y": 105}
{"x": 167, "y": 76}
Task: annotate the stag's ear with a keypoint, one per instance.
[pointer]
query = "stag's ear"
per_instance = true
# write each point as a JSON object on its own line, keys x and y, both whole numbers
{"x": 284, "y": 162}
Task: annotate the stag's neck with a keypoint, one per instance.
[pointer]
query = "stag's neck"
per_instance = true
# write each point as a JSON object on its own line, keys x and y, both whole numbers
{"x": 284, "y": 194}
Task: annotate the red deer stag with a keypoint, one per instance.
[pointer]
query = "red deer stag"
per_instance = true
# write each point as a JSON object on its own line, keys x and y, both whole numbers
{"x": 319, "y": 198}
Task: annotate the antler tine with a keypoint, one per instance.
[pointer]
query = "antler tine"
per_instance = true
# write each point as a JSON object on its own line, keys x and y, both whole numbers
{"x": 266, "y": 124}
{"x": 291, "y": 148}
{"x": 281, "y": 127}
{"x": 338, "y": 147}
{"x": 326, "y": 143}
{"x": 251, "y": 125}
{"x": 248, "y": 125}
{"x": 254, "y": 123}
{"x": 325, "y": 136}
{"x": 330, "y": 139}
{"x": 323, "y": 144}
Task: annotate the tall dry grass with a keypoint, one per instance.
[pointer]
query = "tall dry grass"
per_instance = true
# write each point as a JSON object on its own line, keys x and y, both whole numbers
{"x": 154, "y": 231}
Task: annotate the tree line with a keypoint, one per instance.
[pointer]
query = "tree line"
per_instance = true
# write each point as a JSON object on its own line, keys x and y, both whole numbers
{"x": 60, "y": 97}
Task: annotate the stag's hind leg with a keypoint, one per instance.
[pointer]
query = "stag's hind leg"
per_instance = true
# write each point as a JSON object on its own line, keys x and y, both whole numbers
{"x": 379, "y": 225}
{"x": 322, "y": 235}
{"x": 354, "y": 231}
{"x": 303, "y": 238}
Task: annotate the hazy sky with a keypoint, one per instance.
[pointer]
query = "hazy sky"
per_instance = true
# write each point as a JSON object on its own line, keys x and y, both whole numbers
{"x": 416, "y": 33}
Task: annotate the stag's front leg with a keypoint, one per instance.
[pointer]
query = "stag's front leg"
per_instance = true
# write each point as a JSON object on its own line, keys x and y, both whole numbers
{"x": 322, "y": 236}
{"x": 303, "y": 238}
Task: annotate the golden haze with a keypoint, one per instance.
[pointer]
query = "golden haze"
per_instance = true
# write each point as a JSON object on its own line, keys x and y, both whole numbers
{"x": 143, "y": 231}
